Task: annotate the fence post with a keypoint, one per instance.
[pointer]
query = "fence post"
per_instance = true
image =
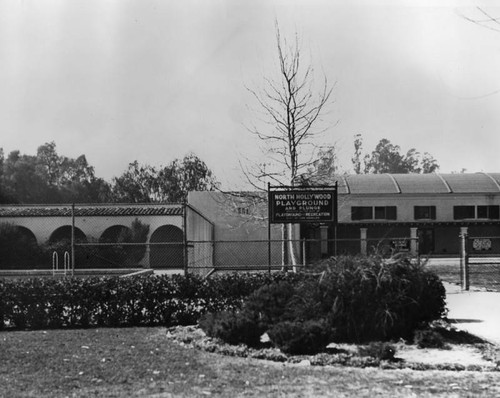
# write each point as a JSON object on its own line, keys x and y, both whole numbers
{"x": 413, "y": 241}
{"x": 363, "y": 241}
{"x": 464, "y": 263}
{"x": 304, "y": 253}
{"x": 185, "y": 239}
{"x": 72, "y": 239}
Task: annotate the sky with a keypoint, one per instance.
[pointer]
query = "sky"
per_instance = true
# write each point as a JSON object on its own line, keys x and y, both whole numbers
{"x": 153, "y": 80}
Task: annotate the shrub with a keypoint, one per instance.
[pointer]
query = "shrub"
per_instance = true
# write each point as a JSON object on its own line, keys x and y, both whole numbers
{"x": 269, "y": 304}
{"x": 232, "y": 327}
{"x": 379, "y": 350}
{"x": 429, "y": 339}
{"x": 297, "y": 338}
{"x": 372, "y": 299}
{"x": 355, "y": 299}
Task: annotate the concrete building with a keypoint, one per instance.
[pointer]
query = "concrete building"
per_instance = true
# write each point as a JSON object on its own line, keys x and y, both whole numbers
{"x": 170, "y": 227}
{"x": 420, "y": 213}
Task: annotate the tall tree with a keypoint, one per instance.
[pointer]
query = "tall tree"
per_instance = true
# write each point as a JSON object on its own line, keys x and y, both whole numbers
{"x": 50, "y": 178}
{"x": 387, "y": 158}
{"x": 291, "y": 107}
{"x": 484, "y": 19}
{"x": 171, "y": 183}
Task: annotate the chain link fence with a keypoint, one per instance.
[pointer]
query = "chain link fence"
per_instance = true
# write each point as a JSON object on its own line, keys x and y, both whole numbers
{"x": 476, "y": 267}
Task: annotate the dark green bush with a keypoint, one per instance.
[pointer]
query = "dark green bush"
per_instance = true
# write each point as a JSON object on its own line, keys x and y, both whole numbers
{"x": 355, "y": 299}
{"x": 232, "y": 327}
{"x": 378, "y": 350}
{"x": 429, "y": 338}
{"x": 300, "y": 338}
{"x": 372, "y": 299}
{"x": 269, "y": 304}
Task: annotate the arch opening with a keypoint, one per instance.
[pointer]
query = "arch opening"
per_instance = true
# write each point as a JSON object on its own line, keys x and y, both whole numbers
{"x": 167, "y": 248}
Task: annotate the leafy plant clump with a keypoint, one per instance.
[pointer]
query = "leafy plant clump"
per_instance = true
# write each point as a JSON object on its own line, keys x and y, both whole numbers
{"x": 347, "y": 299}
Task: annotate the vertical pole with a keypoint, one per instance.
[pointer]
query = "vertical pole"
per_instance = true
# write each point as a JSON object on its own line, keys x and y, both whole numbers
{"x": 269, "y": 227}
{"x": 363, "y": 242}
{"x": 413, "y": 241}
{"x": 335, "y": 215}
{"x": 464, "y": 266}
{"x": 73, "y": 239}
{"x": 335, "y": 240}
{"x": 184, "y": 237}
{"x": 304, "y": 253}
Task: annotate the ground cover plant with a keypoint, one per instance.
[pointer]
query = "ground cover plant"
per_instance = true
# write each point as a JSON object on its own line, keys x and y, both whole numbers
{"x": 345, "y": 299}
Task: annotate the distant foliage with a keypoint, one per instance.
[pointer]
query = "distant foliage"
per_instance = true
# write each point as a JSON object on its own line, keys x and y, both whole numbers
{"x": 355, "y": 299}
{"x": 387, "y": 158}
{"x": 49, "y": 178}
{"x": 171, "y": 183}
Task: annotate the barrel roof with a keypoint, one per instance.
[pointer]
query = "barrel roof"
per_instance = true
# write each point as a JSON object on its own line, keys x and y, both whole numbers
{"x": 420, "y": 183}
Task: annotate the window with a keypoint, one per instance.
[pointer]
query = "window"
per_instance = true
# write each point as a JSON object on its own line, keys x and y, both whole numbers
{"x": 424, "y": 212}
{"x": 462, "y": 212}
{"x": 385, "y": 213}
{"x": 490, "y": 212}
{"x": 361, "y": 213}
{"x": 368, "y": 213}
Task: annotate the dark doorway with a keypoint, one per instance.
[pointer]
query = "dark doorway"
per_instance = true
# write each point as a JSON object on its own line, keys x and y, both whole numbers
{"x": 425, "y": 240}
{"x": 167, "y": 250}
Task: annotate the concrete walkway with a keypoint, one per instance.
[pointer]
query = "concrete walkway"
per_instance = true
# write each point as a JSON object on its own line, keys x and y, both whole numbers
{"x": 474, "y": 311}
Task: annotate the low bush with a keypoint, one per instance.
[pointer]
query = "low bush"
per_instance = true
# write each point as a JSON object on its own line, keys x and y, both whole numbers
{"x": 300, "y": 338}
{"x": 429, "y": 339}
{"x": 345, "y": 299}
{"x": 378, "y": 350}
{"x": 232, "y": 327}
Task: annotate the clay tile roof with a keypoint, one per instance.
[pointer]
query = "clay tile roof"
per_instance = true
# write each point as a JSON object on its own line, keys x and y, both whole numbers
{"x": 89, "y": 210}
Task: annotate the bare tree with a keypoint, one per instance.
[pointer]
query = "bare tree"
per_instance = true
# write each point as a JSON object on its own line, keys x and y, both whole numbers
{"x": 291, "y": 107}
{"x": 485, "y": 20}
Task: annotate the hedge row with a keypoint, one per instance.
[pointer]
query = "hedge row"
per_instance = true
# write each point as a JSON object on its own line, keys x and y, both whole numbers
{"x": 39, "y": 303}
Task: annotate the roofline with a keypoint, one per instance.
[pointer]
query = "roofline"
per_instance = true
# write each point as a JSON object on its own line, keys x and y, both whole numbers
{"x": 448, "y": 188}
{"x": 91, "y": 204}
{"x": 492, "y": 179}
{"x": 398, "y": 188}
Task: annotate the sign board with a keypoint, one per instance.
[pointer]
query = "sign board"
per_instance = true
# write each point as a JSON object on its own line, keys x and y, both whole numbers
{"x": 302, "y": 206}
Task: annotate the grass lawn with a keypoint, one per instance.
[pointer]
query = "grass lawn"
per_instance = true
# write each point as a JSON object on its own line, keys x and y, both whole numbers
{"x": 143, "y": 362}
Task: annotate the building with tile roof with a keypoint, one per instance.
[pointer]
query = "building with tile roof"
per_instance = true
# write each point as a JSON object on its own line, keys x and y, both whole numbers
{"x": 98, "y": 226}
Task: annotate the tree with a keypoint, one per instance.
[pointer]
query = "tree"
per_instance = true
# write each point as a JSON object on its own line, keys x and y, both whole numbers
{"x": 50, "y": 178}
{"x": 291, "y": 107}
{"x": 171, "y": 183}
{"x": 323, "y": 170}
{"x": 485, "y": 20}
{"x": 387, "y": 158}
